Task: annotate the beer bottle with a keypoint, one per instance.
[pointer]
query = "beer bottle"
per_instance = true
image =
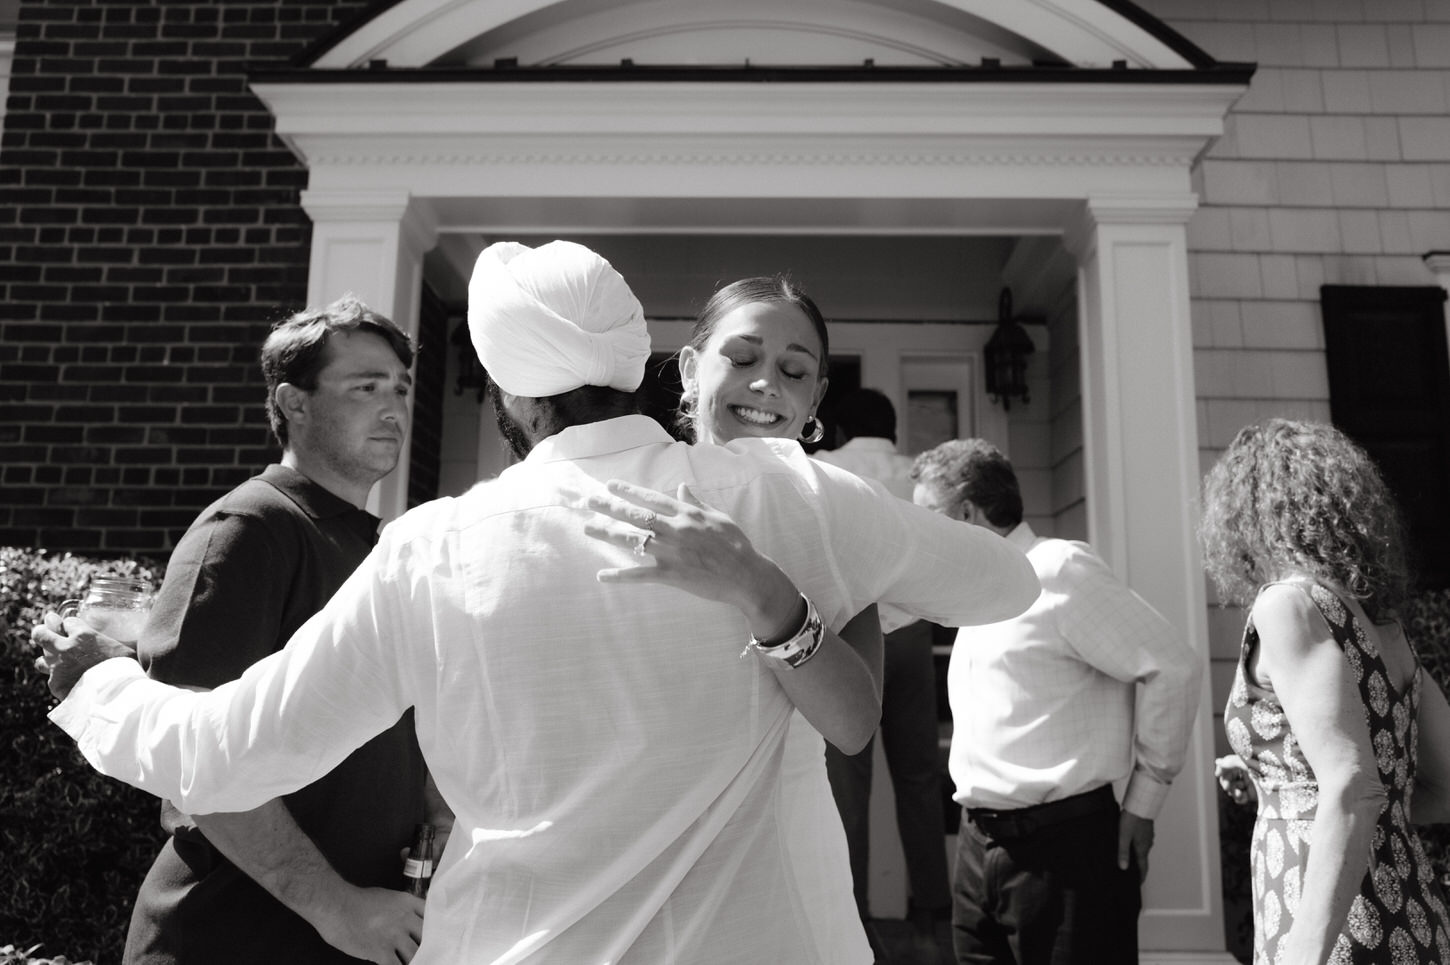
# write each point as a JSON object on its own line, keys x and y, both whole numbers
{"x": 418, "y": 869}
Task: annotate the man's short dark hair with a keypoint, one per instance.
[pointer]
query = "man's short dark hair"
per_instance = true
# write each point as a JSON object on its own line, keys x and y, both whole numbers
{"x": 866, "y": 412}
{"x": 973, "y": 471}
{"x": 294, "y": 352}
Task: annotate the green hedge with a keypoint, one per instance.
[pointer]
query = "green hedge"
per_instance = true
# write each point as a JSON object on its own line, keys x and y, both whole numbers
{"x": 10, "y": 955}
{"x": 76, "y": 844}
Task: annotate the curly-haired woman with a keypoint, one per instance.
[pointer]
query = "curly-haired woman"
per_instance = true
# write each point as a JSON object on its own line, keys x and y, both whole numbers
{"x": 1329, "y": 700}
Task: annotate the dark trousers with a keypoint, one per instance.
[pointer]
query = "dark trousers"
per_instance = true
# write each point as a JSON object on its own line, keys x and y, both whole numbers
{"x": 1041, "y": 886}
{"x": 909, "y": 740}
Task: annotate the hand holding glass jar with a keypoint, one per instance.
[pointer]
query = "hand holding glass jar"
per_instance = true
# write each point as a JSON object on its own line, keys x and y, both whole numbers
{"x": 116, "y": 606}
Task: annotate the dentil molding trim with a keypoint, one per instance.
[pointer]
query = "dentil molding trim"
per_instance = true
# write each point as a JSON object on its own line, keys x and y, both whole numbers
{"x": 322, "y": 155}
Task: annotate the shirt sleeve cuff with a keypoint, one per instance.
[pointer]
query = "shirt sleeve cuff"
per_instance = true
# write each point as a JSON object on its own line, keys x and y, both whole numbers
{"x": 77, "y": 714}
{"x": 1144, "y": 796}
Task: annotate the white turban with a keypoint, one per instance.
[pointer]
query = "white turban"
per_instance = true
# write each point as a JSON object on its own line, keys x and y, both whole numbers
{"x": 550, "y": 319}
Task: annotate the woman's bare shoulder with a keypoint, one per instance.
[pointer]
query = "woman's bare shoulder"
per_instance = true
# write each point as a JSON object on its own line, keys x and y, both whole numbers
{"x": 1287, "y": 618}
{"x": 1283, "y": 598}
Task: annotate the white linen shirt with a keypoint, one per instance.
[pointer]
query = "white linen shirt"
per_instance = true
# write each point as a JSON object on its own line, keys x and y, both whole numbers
{"x": 1089, "y": 686}
{"x": 611, "y": 759}
{"x": 872, "y": 457}
{"x": 875, "y": 459}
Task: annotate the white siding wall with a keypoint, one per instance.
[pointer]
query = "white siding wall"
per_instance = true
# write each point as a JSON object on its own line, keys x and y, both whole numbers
{"x": 1334, "y": 169}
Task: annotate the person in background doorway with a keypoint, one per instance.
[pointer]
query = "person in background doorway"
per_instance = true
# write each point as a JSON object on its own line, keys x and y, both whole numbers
{"x": 867, "y": 420}
{"x": 1089, "y": 687}
{"x": 315, "y": 876}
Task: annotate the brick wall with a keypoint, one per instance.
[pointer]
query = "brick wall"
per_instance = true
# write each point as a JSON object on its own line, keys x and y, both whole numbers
{"x": 1335, "y": 169}
{"x": 150, "y": 233}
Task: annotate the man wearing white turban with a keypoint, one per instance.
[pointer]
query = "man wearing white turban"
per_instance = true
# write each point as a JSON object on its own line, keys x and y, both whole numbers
{"x": 602, "y": 675}
{"x": 548, "y": 320}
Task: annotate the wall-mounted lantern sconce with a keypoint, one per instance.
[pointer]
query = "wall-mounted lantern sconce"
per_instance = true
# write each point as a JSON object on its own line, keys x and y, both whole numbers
{"x": 1006, "y": 355}
{"x": 470, "y": 369}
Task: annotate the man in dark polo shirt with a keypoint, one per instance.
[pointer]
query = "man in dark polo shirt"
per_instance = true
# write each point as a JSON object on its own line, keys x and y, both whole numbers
{"x": 313, "y": 877}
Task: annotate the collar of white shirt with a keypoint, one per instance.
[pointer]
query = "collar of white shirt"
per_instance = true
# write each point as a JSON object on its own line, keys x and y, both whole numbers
{"x": 1023, "y": 537}
{"x": 869, "y": 444}
{"x": 599, "y": 438}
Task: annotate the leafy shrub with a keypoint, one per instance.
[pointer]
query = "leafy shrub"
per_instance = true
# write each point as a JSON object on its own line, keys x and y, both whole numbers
{"x": 10, "y": 955}
{"x": 76, "y": 844}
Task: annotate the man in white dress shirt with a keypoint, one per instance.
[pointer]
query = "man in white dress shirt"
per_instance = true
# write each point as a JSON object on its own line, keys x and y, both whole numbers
{"x": 1089, "y": 687}
{"x": 609, "y": 749}
{"x": 909, "y": 734}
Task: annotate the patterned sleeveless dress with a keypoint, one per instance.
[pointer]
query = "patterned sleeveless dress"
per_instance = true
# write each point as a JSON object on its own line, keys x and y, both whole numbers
{"x": 1398, "y": 916}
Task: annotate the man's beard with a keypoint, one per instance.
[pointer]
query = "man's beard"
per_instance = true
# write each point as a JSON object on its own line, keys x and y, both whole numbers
{"x": 508, "y": 426}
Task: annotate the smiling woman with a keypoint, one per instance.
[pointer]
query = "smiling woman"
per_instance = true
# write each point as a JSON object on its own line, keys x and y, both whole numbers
{"x": 756, "y": 363}
{"x": 756, "y": 366}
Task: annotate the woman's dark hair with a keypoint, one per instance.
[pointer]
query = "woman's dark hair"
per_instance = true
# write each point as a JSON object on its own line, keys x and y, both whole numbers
{"x": 1290, "y": 495}
{"x": 294, "y": 352}
{"x": 761, "y": 289}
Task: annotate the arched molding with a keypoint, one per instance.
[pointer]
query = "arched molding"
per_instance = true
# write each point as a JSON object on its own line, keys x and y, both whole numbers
{"x": 1082, "y": 33}
{"x": 913, "y": 33}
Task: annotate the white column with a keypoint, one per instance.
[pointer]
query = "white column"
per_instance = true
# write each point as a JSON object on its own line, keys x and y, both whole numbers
{"x": 372, "y": 244}
{"x": 1141, "y": 454}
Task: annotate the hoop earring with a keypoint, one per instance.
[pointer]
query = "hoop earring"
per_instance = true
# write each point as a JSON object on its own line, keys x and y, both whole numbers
{"x": 685, "y": 414}
{"x": 816, "y": 434}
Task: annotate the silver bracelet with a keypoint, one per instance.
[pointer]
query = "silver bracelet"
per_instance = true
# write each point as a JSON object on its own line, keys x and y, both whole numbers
{"x": 800, "y": 646}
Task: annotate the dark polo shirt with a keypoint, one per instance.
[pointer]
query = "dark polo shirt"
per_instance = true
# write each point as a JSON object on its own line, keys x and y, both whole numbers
{"x": 252, "y": 569}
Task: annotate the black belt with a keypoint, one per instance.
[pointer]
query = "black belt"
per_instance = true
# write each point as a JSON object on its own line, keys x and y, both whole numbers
{"x": 1020, "y": 822}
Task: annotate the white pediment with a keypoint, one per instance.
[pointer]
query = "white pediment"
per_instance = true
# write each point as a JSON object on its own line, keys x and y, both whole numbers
{"x": 898, "y": 33}
{"x": 465, "y": 146}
